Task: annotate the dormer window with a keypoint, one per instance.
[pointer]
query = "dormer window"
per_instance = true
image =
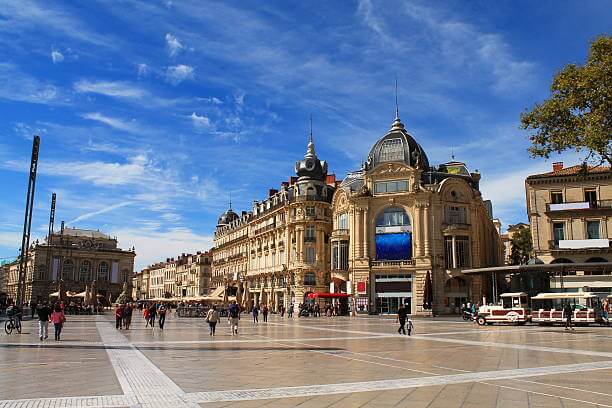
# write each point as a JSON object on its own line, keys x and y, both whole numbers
{"x": 392, "y": 150}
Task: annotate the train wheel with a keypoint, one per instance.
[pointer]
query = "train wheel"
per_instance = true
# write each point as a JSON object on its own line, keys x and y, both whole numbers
{"x": 481, "y": 321}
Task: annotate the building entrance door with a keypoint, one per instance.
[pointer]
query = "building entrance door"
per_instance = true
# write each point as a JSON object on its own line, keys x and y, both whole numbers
{"x": 390, "y": 305}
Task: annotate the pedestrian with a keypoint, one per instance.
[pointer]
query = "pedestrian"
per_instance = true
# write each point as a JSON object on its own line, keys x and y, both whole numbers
{"x": 119, "y": 317}
{"x": 567, "y": 313}
{"x": 234, "y": 317}
{"x": 410, "y": 326}
{"x": 33, "y": 306}
{"x": 606, "y": 311}
{"x": 127, "y": 316}
{"x": 44, "y": 313}
{"x": 145, "y": 315}
{"x": 58, "y": 318}
{"x": 152, "y": 314}
{"x": 290, "y": 311}
{"x": 161, "y": 311}
{"x": 265, "y": 313}
{"x": 255, "y": 314}
{"x": 317, "y": 310}
{"x": 401, "y": 319}
{"x": 212, "y": 317}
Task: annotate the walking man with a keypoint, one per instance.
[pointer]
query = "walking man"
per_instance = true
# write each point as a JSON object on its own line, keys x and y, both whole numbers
{"x": 152, "y": 314}
{"x": 567, "y": 313}
{"x": 234, "y": 317}
{"x": 265, "y": 313}
{"x": 44, "y": 313}
{"x": 255, "y": 314}
{"x": 290, "y": 311}
{"x": 162, "y": 315}
{"x": 127, "y": 316}
{"x": 119, "y": 317}
{"x": 401, "y": 318}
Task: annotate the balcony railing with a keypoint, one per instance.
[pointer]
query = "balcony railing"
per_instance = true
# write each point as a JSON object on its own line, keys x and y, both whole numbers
{"x": 310, "y": 239}
{"x": 383, "y": 263}
{"x": 567, "y": 244}
{"x": 579, "y": 205}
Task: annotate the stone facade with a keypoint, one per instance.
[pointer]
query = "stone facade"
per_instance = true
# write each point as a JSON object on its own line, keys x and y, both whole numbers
{"x": 186, "y": 276}
{"x": 397, "y": 219}
{"x": 570, "y": 212}
{"x": 280, "y": 250}
{"x": 77, "y": 256}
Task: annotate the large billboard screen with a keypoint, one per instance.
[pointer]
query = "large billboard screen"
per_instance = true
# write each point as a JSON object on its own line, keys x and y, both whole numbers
{"x": 394, "y": 246}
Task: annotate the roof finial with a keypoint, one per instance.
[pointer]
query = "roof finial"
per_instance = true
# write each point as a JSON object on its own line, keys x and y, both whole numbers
{"x": 453, "y": 153}
{"x": 396, "y": 103}
{"x": 230, "y": 200}
{"x": 310, "y": 139}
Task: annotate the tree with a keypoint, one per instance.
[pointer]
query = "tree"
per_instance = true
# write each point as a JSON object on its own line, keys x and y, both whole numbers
{"x": 578, "y": 113}
{"x": 521, "y": 246}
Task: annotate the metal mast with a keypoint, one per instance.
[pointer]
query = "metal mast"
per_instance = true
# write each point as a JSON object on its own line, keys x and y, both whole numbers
{"x": 27, "y": 223}
{"x": 51, "y": 222}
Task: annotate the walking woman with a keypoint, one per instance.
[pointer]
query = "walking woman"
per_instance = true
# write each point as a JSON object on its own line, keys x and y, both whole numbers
{"x": 58, "y": 318}
{"x": 212, "y": 317}
{"x": 161, "y": 311}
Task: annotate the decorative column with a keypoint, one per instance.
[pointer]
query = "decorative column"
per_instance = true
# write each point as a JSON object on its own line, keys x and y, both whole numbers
{"x": 426, "y": 229}
{"x": 358, "y": 233}
{"x": 300, "y": 244}
{"x": 453, "y": 244}
{"x": 366, "y": 235}
{"x": 418, "y": 232}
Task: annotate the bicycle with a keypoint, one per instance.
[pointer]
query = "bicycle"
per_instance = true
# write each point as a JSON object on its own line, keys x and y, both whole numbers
{"x": 11, "y": 324}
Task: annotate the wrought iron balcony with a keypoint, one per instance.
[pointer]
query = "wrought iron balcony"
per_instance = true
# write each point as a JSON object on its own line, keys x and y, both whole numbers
{"x": 580, "y": 205}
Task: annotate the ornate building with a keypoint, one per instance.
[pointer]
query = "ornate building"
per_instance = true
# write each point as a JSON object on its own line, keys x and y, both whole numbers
{"x": 188, "y": 275}
{"x": 280, "y": 251}
{"x": 398, "y": 219}
{"x": 78, "y": 257}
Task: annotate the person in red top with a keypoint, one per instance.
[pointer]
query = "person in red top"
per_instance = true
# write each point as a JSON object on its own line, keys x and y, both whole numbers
{"x": 119, "y": 317}
{"x": 58, "y": 318}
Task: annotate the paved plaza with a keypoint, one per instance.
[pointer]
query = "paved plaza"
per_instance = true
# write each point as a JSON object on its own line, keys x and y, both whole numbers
{"x": 306, "y": 362}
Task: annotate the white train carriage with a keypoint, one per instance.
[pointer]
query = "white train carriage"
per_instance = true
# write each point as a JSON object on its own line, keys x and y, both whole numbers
{"x": 548, "y": 308}
{"x": 513, "y": 309}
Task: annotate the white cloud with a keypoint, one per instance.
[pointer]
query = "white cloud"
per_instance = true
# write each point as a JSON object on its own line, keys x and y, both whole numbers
{"x": 104, "y": 210}
{"x": 110, "y": 88}
{"x": 56, "y": 56}
{"x": 143, "y": 70}
{"x": 178, "y": 73}
{"x": 174, "y": 45}
{"x": 364, "y": 9}
{"x": 200, "y": 123}
{"x": 119, "y": 124}
{"x": 153, "y": 245}
{"x": 16, "y": 85}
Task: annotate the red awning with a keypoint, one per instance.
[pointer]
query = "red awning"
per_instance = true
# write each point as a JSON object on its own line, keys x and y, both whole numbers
{"x": 315, "y": 295}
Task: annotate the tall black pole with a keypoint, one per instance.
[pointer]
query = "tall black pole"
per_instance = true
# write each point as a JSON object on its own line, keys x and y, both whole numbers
{"x": 49, "y": 235}
{"x": 27, "y": 223}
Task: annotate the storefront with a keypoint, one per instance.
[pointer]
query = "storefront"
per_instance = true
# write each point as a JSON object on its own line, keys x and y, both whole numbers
{"x": 391, "y": 291}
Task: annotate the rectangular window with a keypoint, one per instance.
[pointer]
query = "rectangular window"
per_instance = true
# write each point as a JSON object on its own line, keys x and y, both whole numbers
{"x": 335, "y": 256}
{"x": 343, "y": 221}
{"x": 456, "y": 215}
{"x": 390, "y": 186}
{"x": 344, "y": 262}
{"x": 590, "y": 196}
{"x": 309, "y": 235}
{"x": 310, "y": 255}
{"x": 556, "y": 197}
{"x": 463, "y": 251}
{"x": 310, "y": 211}
{"x": 392, "y": 150}
{"x": 593, "y": 229}
{"x": 558, "y": 232}
{"x": 448, "y": 252}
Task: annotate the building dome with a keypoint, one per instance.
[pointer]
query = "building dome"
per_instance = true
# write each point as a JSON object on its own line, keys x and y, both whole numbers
{"x": 227, "y": 217}
{"x": 398, "y": 146}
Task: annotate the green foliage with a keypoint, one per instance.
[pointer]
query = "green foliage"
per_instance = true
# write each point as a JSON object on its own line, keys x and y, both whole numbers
{"x": 521, "y": 247}
{"x": 578, "y": 113}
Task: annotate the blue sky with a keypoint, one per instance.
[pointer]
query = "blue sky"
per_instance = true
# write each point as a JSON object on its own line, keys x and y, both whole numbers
{"x": 151, "y": 112}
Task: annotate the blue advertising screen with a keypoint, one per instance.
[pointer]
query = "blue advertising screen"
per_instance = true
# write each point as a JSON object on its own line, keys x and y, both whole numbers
{"x": 395, "y": 246}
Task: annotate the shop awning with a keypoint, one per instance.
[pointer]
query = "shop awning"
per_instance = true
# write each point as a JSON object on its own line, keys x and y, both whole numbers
{"x": 316, "y": 295}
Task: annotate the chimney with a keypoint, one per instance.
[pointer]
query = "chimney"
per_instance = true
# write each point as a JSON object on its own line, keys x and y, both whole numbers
{"x": 557, "y": 166}
{"x": 272, "y": 191}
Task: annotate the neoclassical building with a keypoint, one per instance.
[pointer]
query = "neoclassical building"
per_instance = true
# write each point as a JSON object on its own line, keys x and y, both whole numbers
{"x": 78, "y": 257}
{"x": 280, "y": 250}
{"x": 398, "y": 218}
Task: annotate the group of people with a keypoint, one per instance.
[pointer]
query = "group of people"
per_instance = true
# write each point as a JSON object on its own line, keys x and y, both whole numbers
{"x": 123, "y": 316}
{"x": 50, "y": 313}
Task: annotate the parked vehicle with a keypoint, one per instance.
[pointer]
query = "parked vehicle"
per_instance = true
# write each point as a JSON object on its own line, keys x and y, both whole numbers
{"x": 548, "y": 308}
{"x": 513, "y": 309}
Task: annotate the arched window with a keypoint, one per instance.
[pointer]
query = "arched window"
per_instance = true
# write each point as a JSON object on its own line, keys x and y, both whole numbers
{"x": 393, "y": 235}
{"x": 310, "y": 279}
{"x": 68, "y": 270}
{"x": 85, "y": 272}
{"x": 103, "y": 272}
{"x": 561, "y": 261}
